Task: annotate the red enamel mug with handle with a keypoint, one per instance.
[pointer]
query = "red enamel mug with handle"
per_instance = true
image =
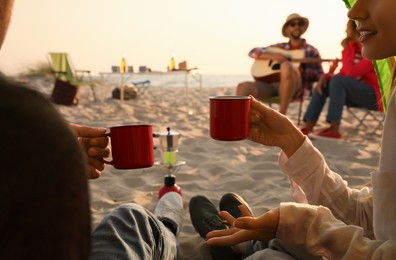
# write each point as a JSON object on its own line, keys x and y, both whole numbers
{"x": 229, "y": 117}
{"x": 132, "y": 146}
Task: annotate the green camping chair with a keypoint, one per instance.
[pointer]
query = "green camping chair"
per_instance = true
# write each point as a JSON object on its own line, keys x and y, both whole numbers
{"x": 62, "y": 69}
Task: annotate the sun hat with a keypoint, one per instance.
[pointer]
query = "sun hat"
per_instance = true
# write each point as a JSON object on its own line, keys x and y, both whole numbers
{"x": 295, "y": 16}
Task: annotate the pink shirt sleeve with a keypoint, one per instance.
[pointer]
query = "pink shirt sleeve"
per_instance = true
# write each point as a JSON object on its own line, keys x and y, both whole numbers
{"x": 324, "y": 235}
{"x": 313, "y": 182}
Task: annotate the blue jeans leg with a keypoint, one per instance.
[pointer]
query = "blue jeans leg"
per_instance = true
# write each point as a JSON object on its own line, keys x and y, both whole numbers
{"x": 344, "y": 90}
{"x": 315, "y": 105}
{"x": 132, "y": 232}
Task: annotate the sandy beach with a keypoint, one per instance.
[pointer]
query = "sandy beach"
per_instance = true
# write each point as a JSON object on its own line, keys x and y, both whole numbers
{"x": 212, "y": 168}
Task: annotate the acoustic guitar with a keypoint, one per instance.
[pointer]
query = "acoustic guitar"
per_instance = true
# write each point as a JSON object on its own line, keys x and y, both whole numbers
{"x": 268, "y": 70}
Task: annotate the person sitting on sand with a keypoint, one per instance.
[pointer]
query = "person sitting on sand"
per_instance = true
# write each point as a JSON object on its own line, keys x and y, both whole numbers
{"x": 290, "y": 81}
{"x": 355, "y": 84}
{"x": 328, "y": 219}
{"x": 44, "y": 190}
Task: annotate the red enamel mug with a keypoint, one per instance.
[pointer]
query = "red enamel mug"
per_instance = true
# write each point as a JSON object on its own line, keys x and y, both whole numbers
{"x": 229, "y": 117}
{"x": 132, "y": 146}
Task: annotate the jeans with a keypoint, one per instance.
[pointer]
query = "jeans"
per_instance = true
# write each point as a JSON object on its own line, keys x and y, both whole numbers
{"x": 342, "y": 90}
{"x": 132, "y": 232}
{"x": 277, "y": 249}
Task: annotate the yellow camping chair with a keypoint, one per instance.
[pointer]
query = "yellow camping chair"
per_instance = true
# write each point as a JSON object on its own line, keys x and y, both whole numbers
{"x": 62, "y": 68}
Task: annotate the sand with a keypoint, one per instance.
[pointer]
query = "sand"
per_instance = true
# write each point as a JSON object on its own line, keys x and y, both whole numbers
{"x": 212, "y": 168}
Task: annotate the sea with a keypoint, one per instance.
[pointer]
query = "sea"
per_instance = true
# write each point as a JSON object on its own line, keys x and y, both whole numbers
{"x": 174, "y": 79}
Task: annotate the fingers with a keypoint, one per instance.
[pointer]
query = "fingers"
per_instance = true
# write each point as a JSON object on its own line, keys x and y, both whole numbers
{"x": 254, "y": 103}
{"x": 94, "y": 142}
{"x": 97, "y": 163}
{"x": 230, "y": 219}
{"x": 246, "y": 228}
{"x": 267, "y": 221}
{"x": 221, "y": 232}
{"x": 98, "y": 152}
{"x": 229, "y": 239}
{"x": 227, "y": 216}
{"x": 101, "y": 141}
{"x": 93, "y": 173}
{"x": 244, "y": 210}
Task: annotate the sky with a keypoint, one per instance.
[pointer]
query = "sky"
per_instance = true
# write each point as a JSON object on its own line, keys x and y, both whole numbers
{"x": 213, "y": 35}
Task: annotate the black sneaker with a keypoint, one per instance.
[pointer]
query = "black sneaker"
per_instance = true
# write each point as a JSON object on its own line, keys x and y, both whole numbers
{"x": 230, "y": 202}
{"x": 205, "y": 218}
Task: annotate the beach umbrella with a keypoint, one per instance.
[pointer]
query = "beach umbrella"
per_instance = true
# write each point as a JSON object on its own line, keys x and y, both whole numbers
{"x": 383, "y": 68}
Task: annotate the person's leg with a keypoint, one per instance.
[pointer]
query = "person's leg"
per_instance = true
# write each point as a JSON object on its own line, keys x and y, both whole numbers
{"x": 257, "y": 89}
{"x": 290, "y": 84}
{"x": 132, "y": 232}
{"x": 246, "y": 88}
{"x": 314, "y": 109}
{"x": 342, "y": 88}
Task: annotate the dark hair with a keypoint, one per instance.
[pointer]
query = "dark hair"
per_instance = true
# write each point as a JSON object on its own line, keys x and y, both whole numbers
{"x": 43, "y": 189}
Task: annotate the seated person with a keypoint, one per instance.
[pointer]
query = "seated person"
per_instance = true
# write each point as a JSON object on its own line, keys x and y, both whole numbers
{"x": 45, "y": 198}
{"x": 290, "y": 80}
{"x": 44, "y": 191}
{"x": 355, "y": 84}
{"x": 328, "y": 219}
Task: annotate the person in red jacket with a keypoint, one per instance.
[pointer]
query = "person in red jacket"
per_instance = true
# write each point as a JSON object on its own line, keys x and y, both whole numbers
{"x": 355, "y": 84}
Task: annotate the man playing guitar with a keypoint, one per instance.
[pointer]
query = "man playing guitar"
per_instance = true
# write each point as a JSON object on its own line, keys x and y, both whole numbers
{"x": 285, "y": 78}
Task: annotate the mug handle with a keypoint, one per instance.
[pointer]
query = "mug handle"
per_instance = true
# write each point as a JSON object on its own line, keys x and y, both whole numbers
{"x": 103, "y": 159}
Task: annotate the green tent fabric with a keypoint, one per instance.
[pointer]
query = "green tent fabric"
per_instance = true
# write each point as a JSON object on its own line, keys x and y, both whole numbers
{"x": 383, "y": 68}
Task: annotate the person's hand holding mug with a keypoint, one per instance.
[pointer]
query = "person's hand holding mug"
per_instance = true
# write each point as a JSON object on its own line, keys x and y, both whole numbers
{"x": 271, "y": 128}
{"x": 95, "y": 145}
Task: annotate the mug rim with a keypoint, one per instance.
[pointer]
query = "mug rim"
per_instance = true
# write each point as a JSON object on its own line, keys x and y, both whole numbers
{"x": 129, "y": 125}
{"x": 229, "y": 97}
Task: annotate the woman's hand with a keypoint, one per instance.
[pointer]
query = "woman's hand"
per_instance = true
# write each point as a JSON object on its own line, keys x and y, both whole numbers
{"x": 333, "y": 66}
{"x": 271, "y": 128}
{"x": 321, "y": 84}
{"x": 95, "y": 144}
{"x": 245, "y": 228}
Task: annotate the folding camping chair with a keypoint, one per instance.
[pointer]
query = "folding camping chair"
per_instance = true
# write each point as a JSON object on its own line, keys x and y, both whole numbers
{"x": 141, "y": 85}
{"x": 63, "y": 70}
{"x": 367, "y": 119}
{"x": 303, "y": 94}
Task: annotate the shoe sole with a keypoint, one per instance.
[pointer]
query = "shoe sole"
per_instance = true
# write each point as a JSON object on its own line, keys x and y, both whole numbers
{"x": 230, "y": 202}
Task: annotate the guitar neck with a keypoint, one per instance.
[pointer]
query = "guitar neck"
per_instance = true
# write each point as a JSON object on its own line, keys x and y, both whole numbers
{"x": 311, "y": 60}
